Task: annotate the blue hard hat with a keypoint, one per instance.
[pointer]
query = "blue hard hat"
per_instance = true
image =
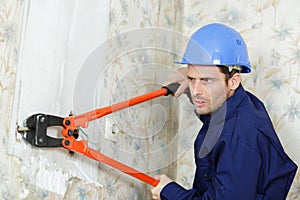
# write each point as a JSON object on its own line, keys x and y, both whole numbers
{"x": 217, "y": 44}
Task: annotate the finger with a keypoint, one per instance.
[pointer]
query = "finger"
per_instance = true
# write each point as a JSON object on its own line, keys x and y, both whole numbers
{"x": 154, "y": 194}
{"x": 154, "y": 191}
{"x": 182, "y": 88}
{"x": 156, "y": 197}
{"x": 157, "y": 177}
{"x": 179, "y": 91}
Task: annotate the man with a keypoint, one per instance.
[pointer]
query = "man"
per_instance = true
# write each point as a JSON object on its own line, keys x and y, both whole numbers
{"x": 237, "y": 152}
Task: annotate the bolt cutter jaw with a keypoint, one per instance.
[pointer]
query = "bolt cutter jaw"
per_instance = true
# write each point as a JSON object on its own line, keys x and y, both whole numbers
{"x": 35, "y": 130}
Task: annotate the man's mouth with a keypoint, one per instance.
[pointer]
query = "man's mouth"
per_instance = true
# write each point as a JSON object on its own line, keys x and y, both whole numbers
{"x": 199, "y": 103}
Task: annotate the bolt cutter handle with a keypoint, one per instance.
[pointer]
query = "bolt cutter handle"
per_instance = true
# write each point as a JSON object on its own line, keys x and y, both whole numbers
{"x": 82, "y": 120}
{"x": 82, "y": 148}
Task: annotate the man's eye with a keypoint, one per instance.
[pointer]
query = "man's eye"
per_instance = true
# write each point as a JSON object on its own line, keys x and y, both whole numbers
{"x": 191, "y": 79}
{"x": 206, "y": 80}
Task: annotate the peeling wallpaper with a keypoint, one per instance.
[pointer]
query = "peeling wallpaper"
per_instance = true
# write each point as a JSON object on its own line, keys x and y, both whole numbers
{"x": 143, "y": 40}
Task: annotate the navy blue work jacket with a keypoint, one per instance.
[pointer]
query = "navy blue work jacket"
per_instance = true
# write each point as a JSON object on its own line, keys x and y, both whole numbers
{"x": 238, "y": 156}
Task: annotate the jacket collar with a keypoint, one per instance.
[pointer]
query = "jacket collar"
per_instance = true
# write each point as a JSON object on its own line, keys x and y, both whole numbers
{"x": 227, "y": 109}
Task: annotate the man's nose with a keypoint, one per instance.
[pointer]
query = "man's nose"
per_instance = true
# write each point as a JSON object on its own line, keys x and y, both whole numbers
{"x": 198, "y": 88}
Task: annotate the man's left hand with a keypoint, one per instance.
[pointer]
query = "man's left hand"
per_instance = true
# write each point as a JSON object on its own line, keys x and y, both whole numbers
{"x": 163, "y": 181}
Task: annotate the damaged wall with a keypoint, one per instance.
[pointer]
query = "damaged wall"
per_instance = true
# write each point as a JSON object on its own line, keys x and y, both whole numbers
{"x": 46, "y": 42}
{"x": 67, "y": 64}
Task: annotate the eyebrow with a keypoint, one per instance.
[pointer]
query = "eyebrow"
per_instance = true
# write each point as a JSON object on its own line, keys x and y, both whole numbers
{"x": 201, "y": 78}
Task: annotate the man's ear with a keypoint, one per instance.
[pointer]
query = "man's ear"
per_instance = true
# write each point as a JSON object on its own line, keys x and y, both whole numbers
{"x": 234, "y": 81}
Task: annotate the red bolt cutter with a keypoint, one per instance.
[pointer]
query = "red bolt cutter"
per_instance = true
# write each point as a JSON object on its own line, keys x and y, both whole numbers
{"x": 35, "y": 131}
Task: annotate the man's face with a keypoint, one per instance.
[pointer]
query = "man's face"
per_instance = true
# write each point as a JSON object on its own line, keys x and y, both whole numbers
{"x": 207, "y": 87}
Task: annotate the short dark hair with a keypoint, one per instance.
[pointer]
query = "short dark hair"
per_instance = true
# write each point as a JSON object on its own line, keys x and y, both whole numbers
{"x": 229, "y": 71}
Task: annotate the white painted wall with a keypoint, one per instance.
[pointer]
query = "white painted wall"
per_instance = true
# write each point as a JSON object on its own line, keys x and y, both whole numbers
{"x": 57, "y": 37}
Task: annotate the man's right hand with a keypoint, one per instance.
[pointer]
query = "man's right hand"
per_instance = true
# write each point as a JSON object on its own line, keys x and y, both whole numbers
{"x": 179, "y": 77}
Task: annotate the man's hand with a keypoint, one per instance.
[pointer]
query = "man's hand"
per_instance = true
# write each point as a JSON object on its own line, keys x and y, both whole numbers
{"x": 179, "y": 77}
{"x": 163, "y": 181}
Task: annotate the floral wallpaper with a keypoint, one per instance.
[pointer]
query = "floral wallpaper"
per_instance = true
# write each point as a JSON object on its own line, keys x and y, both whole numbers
{"x": 10, "y": 22}
{"x": 157, "y": 136}
{"x": 139, "y": 58}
